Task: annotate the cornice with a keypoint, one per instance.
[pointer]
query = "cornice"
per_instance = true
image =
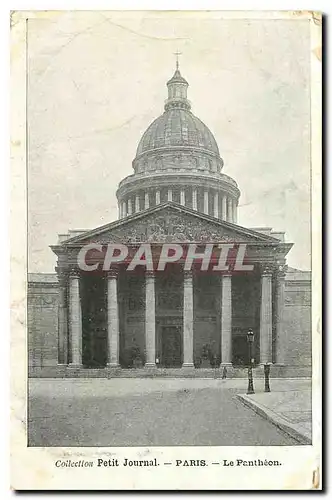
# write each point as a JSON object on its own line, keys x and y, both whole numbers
{"x": 178, "y": 149}
{"x": 136, "y": 182}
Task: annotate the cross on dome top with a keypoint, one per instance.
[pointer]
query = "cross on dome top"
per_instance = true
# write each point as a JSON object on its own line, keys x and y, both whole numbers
{"x": 177, "y": 54}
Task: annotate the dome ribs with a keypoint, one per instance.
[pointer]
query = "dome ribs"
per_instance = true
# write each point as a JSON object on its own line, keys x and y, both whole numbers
{"x": 177, "y": 127}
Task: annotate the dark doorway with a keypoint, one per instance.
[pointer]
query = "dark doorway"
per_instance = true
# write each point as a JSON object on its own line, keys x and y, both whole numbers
{"x": 240, "y": 350}
{"x": 94, "y": 321}
{"x": 171, "y": 355}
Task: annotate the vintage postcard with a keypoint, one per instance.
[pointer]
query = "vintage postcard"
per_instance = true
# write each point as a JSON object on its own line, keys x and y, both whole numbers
{"x": 166, "y": 249}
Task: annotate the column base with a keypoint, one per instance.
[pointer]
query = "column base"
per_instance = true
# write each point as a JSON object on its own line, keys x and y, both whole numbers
{"x": 188, "y": 365}
{"x": 74, "y": 366}
{"x": 225, "y": 364}
{"x": 150, "y": 365}
{"x": 113, "y": 365}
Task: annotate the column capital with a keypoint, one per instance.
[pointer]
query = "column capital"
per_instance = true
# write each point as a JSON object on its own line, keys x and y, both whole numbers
{"x": 149, "y": 274}
{"x": 267, "y": 269}
{"x": 74, "y": 272}
{"x": 112, "y": 273}
{"x": 187, "y": 274}
{"x": 281, "y": 271}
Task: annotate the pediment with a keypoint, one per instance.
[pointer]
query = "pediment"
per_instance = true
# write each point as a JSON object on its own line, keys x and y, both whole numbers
{"x": 170, "y": 222}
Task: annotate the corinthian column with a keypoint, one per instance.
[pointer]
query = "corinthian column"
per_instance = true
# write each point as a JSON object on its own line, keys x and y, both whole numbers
{"x": 194, "y": 199}
{"x": 62, "y": 320}
{"x": 226, "y": 319}
{"x": 170, "y": 195}
{"x": 224, "y": 208}
{"x": 137, "y": 203}
{"x": 234, "y": 212}
{"x": 150, "y": 320}
{"x": 182, "y": 197}
{"x": 230, "y": 210}
{"x": 112, "y": 318}
{"x": 266, "y": 316}
{"x": 188, "y": 319}
{"x": 215, "y": 205}
{"x": 75, "y": 319}
{"x": 130, "y": 208}
{"x": 280, "y": 306}
{"x": 206, "y": 202}
{"x": 146, "y": 200}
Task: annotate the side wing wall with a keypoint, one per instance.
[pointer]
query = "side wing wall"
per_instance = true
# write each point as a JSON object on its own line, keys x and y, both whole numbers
{"x": 298, "y": 319}
{"x": 42, "y": 321}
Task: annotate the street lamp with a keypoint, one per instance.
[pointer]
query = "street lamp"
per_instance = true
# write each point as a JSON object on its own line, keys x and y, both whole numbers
{"x": 250, "y": 340}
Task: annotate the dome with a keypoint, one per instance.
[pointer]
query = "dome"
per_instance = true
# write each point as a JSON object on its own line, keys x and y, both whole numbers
{"x": 178, "y": 161}
{"x": 177, "y": 127}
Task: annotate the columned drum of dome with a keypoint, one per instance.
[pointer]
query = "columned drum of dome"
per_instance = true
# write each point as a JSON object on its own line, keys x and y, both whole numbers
{"x": 178, "y": 160}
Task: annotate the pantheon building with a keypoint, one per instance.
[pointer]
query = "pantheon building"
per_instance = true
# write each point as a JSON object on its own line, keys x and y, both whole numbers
{"x": 176, "y": 321}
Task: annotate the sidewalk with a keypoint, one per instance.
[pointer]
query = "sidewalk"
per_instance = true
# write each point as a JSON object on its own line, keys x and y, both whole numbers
{"x": 289, "y": 408}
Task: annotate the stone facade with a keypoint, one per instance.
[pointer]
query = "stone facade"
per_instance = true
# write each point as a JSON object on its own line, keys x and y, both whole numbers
{"x": 182, "y": 319}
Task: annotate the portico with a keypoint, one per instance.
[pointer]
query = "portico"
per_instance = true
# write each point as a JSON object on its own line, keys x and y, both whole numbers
{"x": 172, "y": 318}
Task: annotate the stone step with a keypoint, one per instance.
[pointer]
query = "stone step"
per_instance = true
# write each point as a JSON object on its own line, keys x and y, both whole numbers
{"x": 232, "y": 372}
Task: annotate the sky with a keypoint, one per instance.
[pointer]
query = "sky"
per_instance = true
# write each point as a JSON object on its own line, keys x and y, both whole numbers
{"x": 96, "y": 80}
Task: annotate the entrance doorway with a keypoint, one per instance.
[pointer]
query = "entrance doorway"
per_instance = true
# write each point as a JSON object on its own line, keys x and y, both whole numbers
{"x": 240, "y": 351}
{"x": 94, "y": 321}
{"x": 171, "y": 353}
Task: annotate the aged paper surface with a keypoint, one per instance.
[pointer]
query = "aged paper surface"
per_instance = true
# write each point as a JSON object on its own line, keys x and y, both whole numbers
{"x": 166, "y": 284}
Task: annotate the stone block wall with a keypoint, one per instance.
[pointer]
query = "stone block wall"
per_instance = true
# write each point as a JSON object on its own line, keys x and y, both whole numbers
{"x": 42, "y": 320}
{"x": 297, "y": 318}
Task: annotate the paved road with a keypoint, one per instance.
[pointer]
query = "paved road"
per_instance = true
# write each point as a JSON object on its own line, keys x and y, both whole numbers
{"x": 144, "y": 412}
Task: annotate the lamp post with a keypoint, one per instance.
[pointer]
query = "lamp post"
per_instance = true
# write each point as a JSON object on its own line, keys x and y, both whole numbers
{"x": 250, "y": 340}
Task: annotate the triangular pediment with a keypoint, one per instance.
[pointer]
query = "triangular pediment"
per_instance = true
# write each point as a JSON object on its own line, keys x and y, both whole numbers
{"x": 169, "y": 222}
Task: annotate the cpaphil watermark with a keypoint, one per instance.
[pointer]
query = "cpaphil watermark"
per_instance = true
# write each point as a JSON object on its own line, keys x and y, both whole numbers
{"x": 221, "y": 257}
